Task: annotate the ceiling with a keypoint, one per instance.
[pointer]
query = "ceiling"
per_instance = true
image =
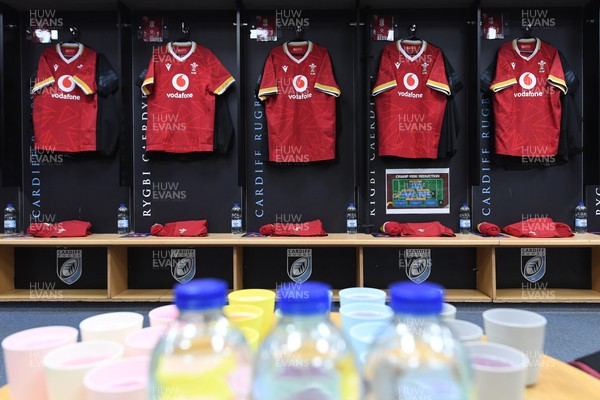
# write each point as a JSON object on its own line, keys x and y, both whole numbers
{"x": 275, "y": 4}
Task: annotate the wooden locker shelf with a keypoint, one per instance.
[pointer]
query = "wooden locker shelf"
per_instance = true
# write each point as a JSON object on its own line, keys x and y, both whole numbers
{"x": 117, "y": 264}
{"x": 547, "y": 296}
{"x": 54, "y": 295}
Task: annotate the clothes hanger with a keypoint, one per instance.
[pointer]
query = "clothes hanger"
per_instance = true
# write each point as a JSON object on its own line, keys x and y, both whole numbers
{"x": 412, "y": 32}
{"x": 412, "y": 36}
{"x": 185, "y": 34}
{"x": 299, "y": 35}
{"x": 526, "y": 37}
{"x": 75, "y": 36}
{"x": 527, "y": 34}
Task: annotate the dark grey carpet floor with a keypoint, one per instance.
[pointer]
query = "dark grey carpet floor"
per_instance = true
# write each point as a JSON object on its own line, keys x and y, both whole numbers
{"x": 573, "y": 329}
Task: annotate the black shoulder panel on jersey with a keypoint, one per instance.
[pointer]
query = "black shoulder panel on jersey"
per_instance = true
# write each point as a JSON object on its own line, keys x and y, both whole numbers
{"x": 453, "y": 80}
{"x": 107, "y": 80}
{"x": 108, "y": 124}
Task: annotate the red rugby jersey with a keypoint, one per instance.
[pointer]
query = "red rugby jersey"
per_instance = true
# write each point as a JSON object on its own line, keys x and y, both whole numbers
{"x": 65, "y": 102}
{"x": 181, "y": 84}
{"x": 410, "y": 99}
{"x": 299, "y": 89}
{"x": 527, "y": 110}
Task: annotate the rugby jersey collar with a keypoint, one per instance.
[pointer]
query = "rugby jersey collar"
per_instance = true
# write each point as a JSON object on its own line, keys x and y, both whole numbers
{"x": 414, "y": 42}
{"x": 296, "y": 60}
{"x": 186, "y": 55}
{"x": 75, "y": 57}
{"x": 538, "y": 44}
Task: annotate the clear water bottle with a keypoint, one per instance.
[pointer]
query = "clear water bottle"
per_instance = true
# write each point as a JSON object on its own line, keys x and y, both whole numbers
{"x": 417, "y": 357}
{"x": 581, "y": 218}
{"x": 465, "y": 218}
{"x": 122, "y": 220}
{"x": 351, "y": 219}
{"x": 10, "y": 220}
{"x": 236, "y": 219}
{"x": 201, "y": 355}
{"x": 305, "y": 357}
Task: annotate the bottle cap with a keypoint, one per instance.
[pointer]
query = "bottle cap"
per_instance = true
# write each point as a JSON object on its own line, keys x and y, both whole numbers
{"x": 236, "y": 204}
{"x": 416, "y": 299}
{"x": 9, "y": 205}
{"x": 581, "y": 203}
{"x": 306, "y": 298}
{"x": 201, "y": 294}
{"x": 465, "y": 204}
{"x": 350, "y": 204}
{"x": 122, "y": 205}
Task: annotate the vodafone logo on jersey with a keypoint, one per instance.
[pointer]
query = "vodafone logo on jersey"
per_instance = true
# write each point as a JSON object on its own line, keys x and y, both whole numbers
{"x": 411, "y": 81}
{"x": 527, "y": 80}
{"x": 300, "y": 83}
{"x": 180, "y": 82}
{"x": 66, "y": 83}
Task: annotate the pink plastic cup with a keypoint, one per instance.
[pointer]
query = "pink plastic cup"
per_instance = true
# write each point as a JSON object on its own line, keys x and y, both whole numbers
{"x": 24, "y": 353}
{"x": 65, "y": 368}
{"x": 164, "y": 315}
{"x": 125, "y": 379}
{"x": 142, "y": 342}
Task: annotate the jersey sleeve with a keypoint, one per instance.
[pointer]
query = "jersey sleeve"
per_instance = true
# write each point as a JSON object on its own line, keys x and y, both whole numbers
{"x": 325, "y": 81}
{"x": 437, "y": 78}
{"x": 453, "y": 80}
{"x": 268, "y": 83}
{"x": 556, "y": 76}
{"x": 86, "y": 77}
{"x": 148, "y": 83}
{"x": 44, "y": 76}
{"x": 505, "y": 76}
{"x": 106, "y": 77}
{"x": 220, "y": 78}
{"x": 386, "y": 76}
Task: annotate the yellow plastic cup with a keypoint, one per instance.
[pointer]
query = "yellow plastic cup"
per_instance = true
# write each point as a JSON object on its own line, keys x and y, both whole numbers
{"x": 252, "y": 336}
{"x": 244, "y": 315}
{"x": 262, "y": 298}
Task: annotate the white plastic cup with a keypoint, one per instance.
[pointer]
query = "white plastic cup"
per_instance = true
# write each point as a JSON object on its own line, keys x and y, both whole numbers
{"x": 164, "y": 315}
{"x": 499, "y": 371}
{"x": 464, "y": 331}
{"x": 66, "y": 367}
{"x": 448, "y": 311}
{"x": 362, "y": 336}
{"x": 521, "y": 329}
{"x": 111, "y": 326}
{"x": 142, "y": 342}
{"x": 361, "y": 295}
{"x": 357, "y": 313}
{"x": 24, "y": 353}
{"x": 124, "y": 379}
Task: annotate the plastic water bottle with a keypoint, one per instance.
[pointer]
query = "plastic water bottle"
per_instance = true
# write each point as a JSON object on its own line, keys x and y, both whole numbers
{"x": 417, "y": 357}
{"x": 351, "y": 219}
{"x": 305, "y": 357}
{"x": 122, "y": 220}
{"x": 10, "y": 220}
{"x": 236, "y": 219}
{"x": 581, "y": 218}
{"x": 201, "y": 355}
{"x": 465, "y": 218}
